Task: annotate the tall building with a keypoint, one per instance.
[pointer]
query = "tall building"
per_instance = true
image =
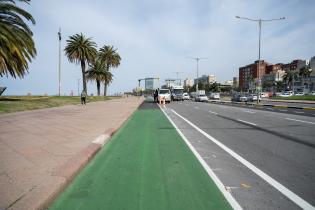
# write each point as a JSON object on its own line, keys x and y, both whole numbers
{"x": 251, "y": 74}
{"x": 188, "y": 82}
{"x": 235, "y": 82}
{"x": 206, "y": 79}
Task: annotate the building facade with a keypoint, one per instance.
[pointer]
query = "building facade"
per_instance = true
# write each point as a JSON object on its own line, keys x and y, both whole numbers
{"x": 206, "y": 79}
{"x": 188, "y": 82}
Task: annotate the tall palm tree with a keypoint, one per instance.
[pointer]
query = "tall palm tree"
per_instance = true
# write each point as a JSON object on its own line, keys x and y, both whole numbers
{"x": 289, "y": 77}
{"x": 81, "y": 50}
{"x": 305, "y": 72}
{"x": 98, "y": 72}
{"x": 111, "y": 58}
{"x": 17, "y": 47}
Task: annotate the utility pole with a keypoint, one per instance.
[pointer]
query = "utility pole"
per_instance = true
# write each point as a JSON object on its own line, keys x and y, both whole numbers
{"x": 197, "y": 59}
{"x": 59, "y": 83}
{"x": 177, "y": 73}
{"x": 259, "y": 44}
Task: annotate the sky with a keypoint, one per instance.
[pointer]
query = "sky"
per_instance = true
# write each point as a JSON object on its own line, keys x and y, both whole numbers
{"x": 156, "y": 39}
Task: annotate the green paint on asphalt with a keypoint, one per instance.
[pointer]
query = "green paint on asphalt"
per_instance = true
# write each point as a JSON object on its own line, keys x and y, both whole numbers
{"x": 145, "y": 166}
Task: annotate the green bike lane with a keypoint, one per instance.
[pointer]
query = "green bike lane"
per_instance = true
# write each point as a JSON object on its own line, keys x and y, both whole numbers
{"x": 146, "y": 165}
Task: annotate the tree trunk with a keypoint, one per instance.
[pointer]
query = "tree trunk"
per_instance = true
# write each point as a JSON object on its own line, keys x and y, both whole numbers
{"x": 105, "y": 88}
{"x": 98, "y": 85}
{"x": 83, "y": 75}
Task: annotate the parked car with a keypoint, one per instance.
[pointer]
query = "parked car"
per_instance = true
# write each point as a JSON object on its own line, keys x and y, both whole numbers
{"x": 201, "y": 98}
{"x": 215, "y": 96}
{"x": 299, "y": 94}
{"x": 253, "y": 97}
{"x": 186, "y": 96}
{"x": 265, "y": 95}
{"x": 165, "y": 93}
{"x": 239, "y": 98}
{"x": 287, "y": 94}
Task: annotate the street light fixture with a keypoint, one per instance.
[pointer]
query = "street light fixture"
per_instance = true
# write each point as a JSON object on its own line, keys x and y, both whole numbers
{"x": 259, "y": 42}
{"x": 197, "y": 59}
{"x": 59, "y": 75}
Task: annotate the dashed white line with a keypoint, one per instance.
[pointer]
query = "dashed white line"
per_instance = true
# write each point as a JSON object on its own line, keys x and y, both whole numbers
{"x": 196, "y": 107}
{"x": 246, "y": 122}
{"x": 300, "y": 121}
{"x": 213, "y": 112}
{"x": 249, "y": 111}
{"x": 281, "y": 188}
{"x": 298, "y": 112}
{"x": 283, "y": 110}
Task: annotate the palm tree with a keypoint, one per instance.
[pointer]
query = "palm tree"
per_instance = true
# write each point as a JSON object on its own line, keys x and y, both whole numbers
{"x": 305, "y": 72}
{"x": 111, "y": 58}
{"x": 81, "y": 50}
{"x": 17, "y": 47}
{"x": 98, "y": 72}
{"x": 289, "y": 77}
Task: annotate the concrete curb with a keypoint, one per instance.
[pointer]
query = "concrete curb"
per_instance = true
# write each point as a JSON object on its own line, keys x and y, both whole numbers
{"x": 269, "y": 105}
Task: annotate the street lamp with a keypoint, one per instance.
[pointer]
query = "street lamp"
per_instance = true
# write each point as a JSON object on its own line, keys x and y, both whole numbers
{"x": 197, "y": 59}
{"x": 259, "y": 41}
{"x": 59, "y": 75}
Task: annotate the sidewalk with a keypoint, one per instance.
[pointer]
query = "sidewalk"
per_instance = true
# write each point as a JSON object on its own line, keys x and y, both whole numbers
{"x": 41, "y": 150}
{"x": 145, "y": 166}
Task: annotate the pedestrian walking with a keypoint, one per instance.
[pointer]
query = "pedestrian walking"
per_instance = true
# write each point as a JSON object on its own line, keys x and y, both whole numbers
{"x": 156, "y": 93}
{"x": 83, "y": 97}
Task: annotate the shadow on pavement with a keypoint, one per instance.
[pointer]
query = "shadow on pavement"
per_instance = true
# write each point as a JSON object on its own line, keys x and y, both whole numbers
{"x": 148, "y": 104}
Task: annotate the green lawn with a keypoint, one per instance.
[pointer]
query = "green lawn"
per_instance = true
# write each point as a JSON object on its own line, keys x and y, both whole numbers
{"x": 306, "y": 97}
{"x": 146, "y": 166}
{"x": 22, "y": 103}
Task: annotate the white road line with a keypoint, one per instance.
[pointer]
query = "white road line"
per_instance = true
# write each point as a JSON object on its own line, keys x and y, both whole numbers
{"x": 213, "y": 112}
{"x": 283, "y": 110}
{"x": 228, "y": 196}
{"x": 281, "y": 188}
{"x": 196, "y": 107}
{"x": 300, "y": 121}
{"x": 270, "y": 108}
{"x": 249, "y": 111}
{"x": 298, "y": 112}
{"x": 246, "y": 122}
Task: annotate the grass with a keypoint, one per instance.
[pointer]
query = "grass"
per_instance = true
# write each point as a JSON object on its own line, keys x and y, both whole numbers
{"x": 306, "y": 98}
{"x": 22, "y": 103}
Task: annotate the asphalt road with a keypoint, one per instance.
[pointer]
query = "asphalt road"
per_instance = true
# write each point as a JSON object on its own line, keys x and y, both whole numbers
{"x": 267, "y": 160}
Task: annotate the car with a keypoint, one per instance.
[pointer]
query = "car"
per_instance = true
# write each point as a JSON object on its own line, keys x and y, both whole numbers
{"x": 177, "y": 95}
{"x": 201, "y": 98}
{"x": 165, "y": 93}
{"x": 252, "y": 97}
{"x": 299, "y": 94}
{"x": 215, "y": 96}
{"x": 239, "y": 98}
{"x": 186, "y": 96}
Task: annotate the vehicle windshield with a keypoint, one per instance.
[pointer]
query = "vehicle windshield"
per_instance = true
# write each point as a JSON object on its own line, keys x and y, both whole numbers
{"x": 178, "y": 91}
{"x": 164, "y": 91}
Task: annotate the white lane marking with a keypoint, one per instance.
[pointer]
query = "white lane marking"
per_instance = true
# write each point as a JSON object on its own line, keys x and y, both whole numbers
{"x": 228, "y": 196}
{"x": 298, "y": 112}
{"x": 249, "y": 111}
{"x": 300, "y": 121}
{"x": 270, "y": 108}
{"x": 213, "y": 112}
{"x": 283, "y": 110}
{"x": 196, "y": 107}
{"x": 281, "y": 188}
{"x": 246, "y": 122}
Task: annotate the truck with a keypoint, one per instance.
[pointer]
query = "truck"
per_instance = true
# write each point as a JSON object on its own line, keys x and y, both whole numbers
{"x": 177, "y": 93}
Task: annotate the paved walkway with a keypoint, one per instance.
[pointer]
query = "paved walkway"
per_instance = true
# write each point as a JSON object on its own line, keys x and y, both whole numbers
{"x": 41, "y": 150}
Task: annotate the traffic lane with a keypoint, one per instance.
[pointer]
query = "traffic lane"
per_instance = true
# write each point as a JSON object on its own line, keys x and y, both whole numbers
{"x": 289, "y": 162}
{"x": 302, "y": 112}
{"x": 249, "y": 190}
{"x": 294, "y": 128}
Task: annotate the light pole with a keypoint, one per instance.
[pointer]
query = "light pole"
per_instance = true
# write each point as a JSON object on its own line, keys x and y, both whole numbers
{"x": 259, "y": 43}
{"x": 59, "y": 75}
{"x": 177, "y": 73}
{"x": 197, "y": 59}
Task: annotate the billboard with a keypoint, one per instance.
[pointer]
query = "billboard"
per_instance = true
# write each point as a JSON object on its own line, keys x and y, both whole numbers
{"x": 149, "y": 83}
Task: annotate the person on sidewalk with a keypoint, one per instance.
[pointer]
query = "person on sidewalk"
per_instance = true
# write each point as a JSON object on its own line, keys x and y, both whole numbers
{"x": 156, "y": 93}
{"x": 83, "y": 97}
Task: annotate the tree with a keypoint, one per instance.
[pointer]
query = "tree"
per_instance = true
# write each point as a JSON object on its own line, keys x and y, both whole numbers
{"x": 305, "y": 72}
{"x": 81, "y": 50}
{"x": 289, "y": 77}
{"x": 111, "y": 58}
{"x": 17, "y": 47}
{"x": 98, "y": 72}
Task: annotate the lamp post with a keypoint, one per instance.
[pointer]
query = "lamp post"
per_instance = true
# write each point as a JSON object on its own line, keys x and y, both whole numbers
{"x": 197, "y": 59}
{"x": 59, "y": 75}
{"x": 260, "y": 21}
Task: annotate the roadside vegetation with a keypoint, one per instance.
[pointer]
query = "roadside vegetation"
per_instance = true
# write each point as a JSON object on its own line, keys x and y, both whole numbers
{"x": 22, "y": 103}
{"x": 306, "y": 98}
